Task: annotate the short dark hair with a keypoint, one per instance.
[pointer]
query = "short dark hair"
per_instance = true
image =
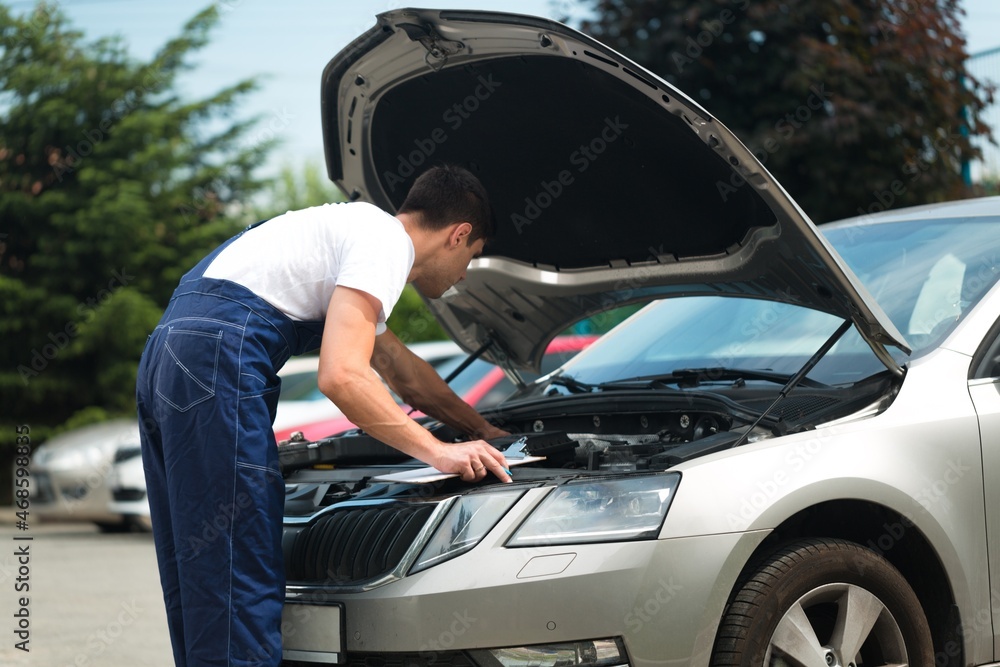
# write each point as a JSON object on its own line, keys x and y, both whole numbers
{"x": 447, "y": 194}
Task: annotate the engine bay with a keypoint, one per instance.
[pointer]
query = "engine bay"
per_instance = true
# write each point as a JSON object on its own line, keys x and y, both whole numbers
{"x": 592, "y": 434}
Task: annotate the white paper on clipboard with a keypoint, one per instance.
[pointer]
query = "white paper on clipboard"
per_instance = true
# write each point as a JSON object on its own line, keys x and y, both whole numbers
{"x": 424, "y": 475}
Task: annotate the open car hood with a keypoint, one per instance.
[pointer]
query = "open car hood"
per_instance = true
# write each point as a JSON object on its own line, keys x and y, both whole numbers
{"x": 608, "y": 185}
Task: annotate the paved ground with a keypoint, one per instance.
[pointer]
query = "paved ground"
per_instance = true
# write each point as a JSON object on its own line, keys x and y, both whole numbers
{"x": 94, "y": 599}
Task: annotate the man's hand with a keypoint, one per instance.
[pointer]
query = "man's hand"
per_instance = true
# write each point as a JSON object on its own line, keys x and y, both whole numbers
{"x": 471, "y": 460}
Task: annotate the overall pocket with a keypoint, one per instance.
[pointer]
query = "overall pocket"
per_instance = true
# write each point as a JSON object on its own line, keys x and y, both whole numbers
{"x": 188, "y": 367}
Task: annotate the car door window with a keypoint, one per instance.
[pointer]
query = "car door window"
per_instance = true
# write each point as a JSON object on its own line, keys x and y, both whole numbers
{"x": 986, "y": 361}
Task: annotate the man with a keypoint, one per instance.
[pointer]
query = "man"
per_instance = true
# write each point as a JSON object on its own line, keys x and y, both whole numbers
{"x": 207, "y": 392}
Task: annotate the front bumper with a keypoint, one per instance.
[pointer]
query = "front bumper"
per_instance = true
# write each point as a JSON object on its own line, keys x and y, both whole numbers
{"x": 662, "y": 598}
{"x": 71, "y": 496}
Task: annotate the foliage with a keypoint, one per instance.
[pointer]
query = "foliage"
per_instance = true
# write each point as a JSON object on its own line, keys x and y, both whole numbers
{"x": 295, "y": 190}
{"x": 412, "y": 321}
{"x": 989, "y": 186}
{"x": 854, "y": 105}
{"x": 111, "y": 186}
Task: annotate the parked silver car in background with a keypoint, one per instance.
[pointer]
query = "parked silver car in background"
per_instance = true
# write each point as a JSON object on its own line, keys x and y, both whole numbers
{"x": 789, "y": 458}
{"x": 127, "y": 484}
{"x": 71, "y": 470}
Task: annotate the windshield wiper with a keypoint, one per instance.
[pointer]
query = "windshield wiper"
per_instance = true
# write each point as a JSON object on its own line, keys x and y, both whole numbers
{"x": 694, "y": 377}
{"x": 574, "y": 385}
{"x": 684, "y": 378}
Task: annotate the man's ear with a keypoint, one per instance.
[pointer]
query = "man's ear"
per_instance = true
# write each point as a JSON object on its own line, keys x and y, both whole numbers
{"x": 459, "y": 234}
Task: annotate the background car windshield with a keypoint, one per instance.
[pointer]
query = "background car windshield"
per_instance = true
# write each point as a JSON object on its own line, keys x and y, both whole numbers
{"x": 926, "y": 275}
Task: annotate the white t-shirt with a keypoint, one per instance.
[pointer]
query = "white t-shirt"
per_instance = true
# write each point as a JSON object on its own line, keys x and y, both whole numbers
{"x": 295, "y": 260}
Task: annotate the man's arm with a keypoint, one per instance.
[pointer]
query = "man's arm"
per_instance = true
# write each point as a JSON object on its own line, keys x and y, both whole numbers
{"x": 346, "y": 377}
{"x": 420, "y": 386}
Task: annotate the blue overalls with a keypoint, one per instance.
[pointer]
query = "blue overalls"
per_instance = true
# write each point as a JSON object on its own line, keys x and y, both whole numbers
{"x": 207, "y": 393}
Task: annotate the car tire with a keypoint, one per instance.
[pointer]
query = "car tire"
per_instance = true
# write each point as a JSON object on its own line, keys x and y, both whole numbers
{"x": 140, "y": 524}
{"x": 109, "y": 528}
{"x": 812, "y": 601}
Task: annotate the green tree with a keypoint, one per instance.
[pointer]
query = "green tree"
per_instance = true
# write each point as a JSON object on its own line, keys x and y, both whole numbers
{"x": 854, "y": 105}
{"x": 989, "y": 186}
{"x": 294, "y": 190}
{"x": 111, "y": 186}
{"x": 412, "y": 321}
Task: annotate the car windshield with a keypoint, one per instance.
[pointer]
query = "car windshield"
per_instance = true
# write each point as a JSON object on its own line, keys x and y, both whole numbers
{"x": 926, "y": 275}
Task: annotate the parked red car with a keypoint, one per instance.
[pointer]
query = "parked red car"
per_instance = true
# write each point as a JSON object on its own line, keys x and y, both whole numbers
{"x": 483, "y": 385}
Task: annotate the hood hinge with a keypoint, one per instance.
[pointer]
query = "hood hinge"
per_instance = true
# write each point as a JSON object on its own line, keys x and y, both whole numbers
{"x": 438, "y": 48}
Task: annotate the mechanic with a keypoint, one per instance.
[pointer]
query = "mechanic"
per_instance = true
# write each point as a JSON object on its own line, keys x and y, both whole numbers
{"x": 207, "y": 391}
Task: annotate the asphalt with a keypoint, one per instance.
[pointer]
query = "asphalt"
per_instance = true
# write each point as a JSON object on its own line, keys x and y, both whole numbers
{"x": 81, "y": 598}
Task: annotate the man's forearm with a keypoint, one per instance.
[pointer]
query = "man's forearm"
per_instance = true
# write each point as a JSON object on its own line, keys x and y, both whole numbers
{"x": 365, "y": 401}
{"x": 432, "y": 396}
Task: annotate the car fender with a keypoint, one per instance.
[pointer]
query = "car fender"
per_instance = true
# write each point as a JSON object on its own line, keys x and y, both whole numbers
{"x": 920, "y": 458}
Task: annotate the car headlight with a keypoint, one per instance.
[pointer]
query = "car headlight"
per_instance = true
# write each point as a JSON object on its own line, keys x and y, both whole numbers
{"x": 595, "y": 653}
{"x": 468, "y": 520}
{"x": 608, "y": 510}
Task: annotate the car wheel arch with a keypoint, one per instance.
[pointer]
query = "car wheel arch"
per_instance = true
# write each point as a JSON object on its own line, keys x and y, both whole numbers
{"x": 823, "y": 600}
{"x": 890, "y": 534}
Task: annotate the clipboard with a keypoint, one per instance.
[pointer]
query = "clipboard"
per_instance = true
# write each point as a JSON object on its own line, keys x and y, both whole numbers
{"x": 428, "y": 474}
{"x": 514, "y": 455}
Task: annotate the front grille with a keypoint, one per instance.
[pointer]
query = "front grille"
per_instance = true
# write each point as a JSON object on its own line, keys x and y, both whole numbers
{"x": 126, "y": 453}
{"x": 354, "y": 545}
{"x": 75, "y": 493}
{"x": 43, "y": 492}
{"x": 425, "y": 659}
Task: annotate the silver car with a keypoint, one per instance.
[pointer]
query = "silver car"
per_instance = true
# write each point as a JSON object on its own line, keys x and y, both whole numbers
{"x": 789, "y": 457}
{"x": 71, "y": 473}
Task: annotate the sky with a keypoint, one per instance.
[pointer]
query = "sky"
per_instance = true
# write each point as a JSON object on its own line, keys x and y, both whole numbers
{"x": 288, "y": 43}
